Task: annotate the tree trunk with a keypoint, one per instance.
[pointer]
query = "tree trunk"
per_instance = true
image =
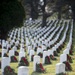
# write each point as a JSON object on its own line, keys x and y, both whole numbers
{"x": 44, "y": 19}
{"x": 59, "y": 13}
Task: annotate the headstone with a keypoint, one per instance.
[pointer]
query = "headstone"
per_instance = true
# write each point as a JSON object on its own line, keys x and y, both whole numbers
{"x": 21, "y": 49}
{"x": 50, "y": 52}
{"x": 43, "y": 47}
{"x": 29, "y": 48}
{"x": 8, "y": 46}
{"x": 60, "y": 68}
{"x": 45, "y": 53}
{"x": 63, "y": 58}
{"x": 21, "y": 54}
{"x": 17, "y": 43}
{"x": 39, "y": 49}
{"x": 4, "y": 51}
{"x": 15, "y": 48}
{"x": 36, "y": 60}
{"x": 11, "y": 53}
{"x": 3, "y": 45}
{"x": 5, "y": 62}
{"x": 22, "y": 45}
{"x": 23, "y": 70}
{"x": 66, "y": 51}
{"x": 31, "y": 53}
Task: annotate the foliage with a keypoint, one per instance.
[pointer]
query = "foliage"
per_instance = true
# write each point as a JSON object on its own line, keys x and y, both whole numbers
{"x": 40, "y": 68}
{"x": 0, "y": 64}
{"x": 11, "y": 15}
{"x": 9, "y": 71}
{"x": 13, "y": 59}
{"x": 47, "y": 60}
{"x": 32, "y": 57}
{"x": 16, "y": 53}
{"x": 58, "y": 50}
{"x": 40, "y": 54}
{"x": 35, "y": 49}
{"x": 23, "y": 62}
{"x": 67, "y": 66}
{"x": 0, "y": 46}
{"x": 71, "y": 52}
{"x": 52, "y": 57}
{"x": 69, "y": 59}
{"x": 5, "y": 55}
{"x": 55, "y": 53}
{"x": 0, "y": 54}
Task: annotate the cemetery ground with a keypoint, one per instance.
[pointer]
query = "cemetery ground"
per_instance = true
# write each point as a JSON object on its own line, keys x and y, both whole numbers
{"x": 50, "y": 69}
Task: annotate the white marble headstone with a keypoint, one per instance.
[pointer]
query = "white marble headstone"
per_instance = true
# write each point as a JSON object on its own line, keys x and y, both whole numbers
{"x": 39, "y": 50}
{"x": 21, "y": 49}
{"x": 63, "y": 58}
{"x": 36, "y": 60}
{"x": 8, "y": 46}
{"x": 14, "y": 48}
{"x": 50, "y": 52}
{"x": 23, "y": 70}
{"x": 60, "y": 68}
{"x": 31, "y": 53}
{"x": 43, "y": 47}
{"x": 66, "y": 51}
{"x": 11, "y": 53}
{"x": 45, "y": 53}
{"x": 29, "y": 48}
{"x": 5, "y": 62}
{"x": 21, "y": 54}
{"x": 4, "y": 51}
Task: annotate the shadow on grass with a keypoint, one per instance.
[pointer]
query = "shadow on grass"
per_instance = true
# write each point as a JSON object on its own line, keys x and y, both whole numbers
{"x": 37, "y": 73}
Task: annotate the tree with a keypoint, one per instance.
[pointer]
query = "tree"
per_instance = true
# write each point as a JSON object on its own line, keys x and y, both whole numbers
{"x": 55, "y": 6}
{"x": 33, "y": 7}
{"x": 11, "y": 15}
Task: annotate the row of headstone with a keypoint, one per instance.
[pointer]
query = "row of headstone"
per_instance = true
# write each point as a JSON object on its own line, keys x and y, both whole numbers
{"x": 60, "y": 67}
{"x": 22, "y": 70}
{"x": 47, "y": 53}
{"x": 42, "y": 45}
{"x": 63, "y": 56}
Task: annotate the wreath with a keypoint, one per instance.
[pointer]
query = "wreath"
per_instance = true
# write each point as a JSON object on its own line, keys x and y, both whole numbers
{"x": 69, "y": 59}
{"x": 14, "y": 59}
{"x": 58, "y": 50}
{"x": 32, "y": 57}
{"x": 47, "y": 60}
{"x": 67, "y": 66}
{"x": 9, "y": 49}
{"x": 0, "y": 54}
{"x": 23, "y": 62}
{"x": 60, "y": 47}
{"x": 18, "y": 47}
{"x": 40, "y": 68}
{"x": 35, "y": 49}
{"x": 52, "y": 57}
{"x": 55, "y": 53}
{"x": 71, "y": 52}
{"x": 0, "y": 64}
{"x": 0, "y": 46}
{"x": 9, "y": 71}
{"x": 5, "y": 55}
{"x": 40, "y": 54}
{"x": 16, "y": 53}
